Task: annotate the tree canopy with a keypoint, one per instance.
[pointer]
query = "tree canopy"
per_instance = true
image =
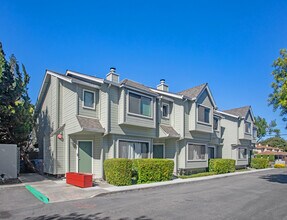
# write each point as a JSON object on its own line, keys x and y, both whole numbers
{"x": 278, "y": 98}
{"x": 263, "y": 128}
{"x": 275, "y": 142}
{"x": 16, "y": 110}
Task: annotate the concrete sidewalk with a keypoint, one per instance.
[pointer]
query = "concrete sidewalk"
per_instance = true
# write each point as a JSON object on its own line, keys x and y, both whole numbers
{"x": 58, "y": 191}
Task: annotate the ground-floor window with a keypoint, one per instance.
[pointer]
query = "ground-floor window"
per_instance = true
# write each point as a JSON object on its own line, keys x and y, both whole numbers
{"x": 196, "y": 152}
{"x": 133, "y": 149}
{"x": 242, "y": 153}
{"x": 158, "y": 151}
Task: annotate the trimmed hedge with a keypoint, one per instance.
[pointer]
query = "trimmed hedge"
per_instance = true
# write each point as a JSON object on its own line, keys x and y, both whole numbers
{"x": 198, "y": 175}
{"x": 279, "y": 165}
{"x": 259, "y": 163}
{"x": 221, "y": 165}
{"x": 118, "y": 171}
{"x": 269, "y": 157}
{"x": 153, "y": 170}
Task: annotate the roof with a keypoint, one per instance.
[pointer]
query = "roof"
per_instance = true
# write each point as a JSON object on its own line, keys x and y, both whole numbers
{"x": 272, "y": 153}
{"x": 193, "y": 92}
{"x": 90, "y": 124}
{"x": 136, "y": 85}
{"x": 242, "y": 111}
{"x": 169, "y": 131}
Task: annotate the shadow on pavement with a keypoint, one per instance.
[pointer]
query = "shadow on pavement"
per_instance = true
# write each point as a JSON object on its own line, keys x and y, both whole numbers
{"x": 95, "y": 216}
{"x": 276, "y": 178}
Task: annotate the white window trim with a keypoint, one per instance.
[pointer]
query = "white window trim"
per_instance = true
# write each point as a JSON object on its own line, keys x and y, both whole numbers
{"x": 77, "y": 154}
{"x": 198, "y": 160}
{"x": 242, "y": 159}
{"x": 168, "y": 110}
{"x": 217, "y": 123}
{"x": 247, "y": 122}
{"x": 83, "y": 101}
{"x": 132, "y": 140}
{"x": 135, "y": 114}
{"x": 163, "y": 144}
{"x": 202, "y": 122}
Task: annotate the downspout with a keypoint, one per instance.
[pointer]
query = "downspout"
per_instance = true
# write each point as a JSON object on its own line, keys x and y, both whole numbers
{"x": 56, "y": 124}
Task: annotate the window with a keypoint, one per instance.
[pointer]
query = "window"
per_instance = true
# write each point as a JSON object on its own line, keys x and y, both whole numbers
{"x": 203, "y": 114}
{"x": 254, "y": 133}
{"x": 132, "y": 150}
{"x": 196, "y": 152}
{"x": 247, "y": 127}
{"x": 242, "y": 153}
{"x": 88, "y": 99}
{"x": 165, "y": 110}
{"x": 215, "y": 123}
{"x": 140, "y": 105}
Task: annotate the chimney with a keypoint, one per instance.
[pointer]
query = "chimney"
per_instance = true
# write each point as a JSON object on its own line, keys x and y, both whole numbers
{"x": 112, "y": 76}
{"x": 162, "y": 86}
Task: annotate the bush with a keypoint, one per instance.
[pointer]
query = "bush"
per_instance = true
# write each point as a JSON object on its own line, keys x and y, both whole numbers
{"x": 118, "y": 171}
{"x": 279, "y": 165}
{"x": 269, "y": 157}
{"x": 153, "y": 170}
{"x": 221, "y": 165}
{"x": 259, "y": 163}
{"x": 198, "y": 175}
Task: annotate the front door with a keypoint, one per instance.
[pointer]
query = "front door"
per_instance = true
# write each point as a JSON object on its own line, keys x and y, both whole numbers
{"x": 210, "y": 152}
{"x": 158, "y": 151}
{"x": 85, "y": 157}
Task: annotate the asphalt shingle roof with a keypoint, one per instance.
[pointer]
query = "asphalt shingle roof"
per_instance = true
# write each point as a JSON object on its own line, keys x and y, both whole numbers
{"x": 90, "y": 124}
{"x": 242, "y": 111}
{"x": 169, "y": 131}
{"x": 193, "y": 92}
{"x": 137, "y": 85}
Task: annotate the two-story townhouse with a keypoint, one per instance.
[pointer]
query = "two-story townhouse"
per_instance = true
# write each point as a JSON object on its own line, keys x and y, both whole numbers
{"x": 83, "y": 120}
{"x": 238, "y": 134}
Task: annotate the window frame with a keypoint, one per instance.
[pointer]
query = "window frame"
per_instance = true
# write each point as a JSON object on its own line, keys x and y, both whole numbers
{"x": 133, "y": 141}
{"x": 206, "y": 107}
{"x": 83, "y": 99}
{"x": 168, "y": 110}
{"x": 187, "y": 154}
{"x": 238, "y": 153}
{"x": 247, "y": 123}
{"x": 217, "y": 118}
{"x": 135, "y": 114}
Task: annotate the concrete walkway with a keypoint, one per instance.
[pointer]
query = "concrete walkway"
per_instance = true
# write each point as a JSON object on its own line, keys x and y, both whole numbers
{"x": 58, "y": 191}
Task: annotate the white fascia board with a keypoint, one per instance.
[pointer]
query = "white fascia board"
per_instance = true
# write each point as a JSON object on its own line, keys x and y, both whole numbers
{"x": 138, "y": 90}
{"x": 92, "y": 78}
{"x": 230, "y": 115}
{"x": 59, "y": 76}
{"x": 167, "y": 94}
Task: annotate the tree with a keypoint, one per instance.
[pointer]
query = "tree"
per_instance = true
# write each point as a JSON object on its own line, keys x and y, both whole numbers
{"x": 16, "y": 110}
{"x": 263, "y": 128}
{"x": 278, "y": 99}
{"x": 275, "y": 142}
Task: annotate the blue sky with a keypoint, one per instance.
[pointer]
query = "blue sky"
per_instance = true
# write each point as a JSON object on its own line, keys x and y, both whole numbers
{"x": 229, "y": 44}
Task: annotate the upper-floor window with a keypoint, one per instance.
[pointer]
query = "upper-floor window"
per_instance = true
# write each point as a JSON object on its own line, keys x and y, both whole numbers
{"x": 165, "y": 110}
{"x": 254, "y": 133}
{"x": 88, "y": 99}
{"x": 242, "y": 153}
{"x": 247, "y": 127}
{"x": 203, "y": 114}
{"x": 215, "y": 123}
{"x": 140, "y": 105}
{"x": 196, "y": 152}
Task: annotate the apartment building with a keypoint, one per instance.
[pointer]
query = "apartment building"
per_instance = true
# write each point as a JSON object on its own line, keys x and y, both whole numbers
{"x": 83, "y": 120}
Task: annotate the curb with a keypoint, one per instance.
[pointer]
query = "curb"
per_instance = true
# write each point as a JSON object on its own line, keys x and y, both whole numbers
{"x": 37, "y": 194}
{"x": 119, "y": 189}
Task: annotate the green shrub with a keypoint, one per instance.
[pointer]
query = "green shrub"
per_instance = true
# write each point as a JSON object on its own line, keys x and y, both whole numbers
{"x": 259, "y": 163}
{"x": 153, "y": 170}
{"x": 221, "y": 165}
{"x": 279, "y": 165}
{"x": 118, "y": 171}
{"x": 198, "y": 175}
{"x": 270, "y": 158}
